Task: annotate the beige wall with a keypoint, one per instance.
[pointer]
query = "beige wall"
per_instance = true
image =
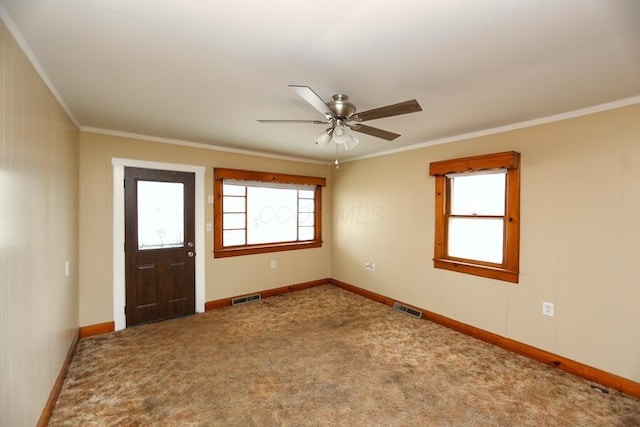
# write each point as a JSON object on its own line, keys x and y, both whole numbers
{"x": 579, "y": 238}
{"x": 224, "y": 277}
{"x": 38, "y": 234}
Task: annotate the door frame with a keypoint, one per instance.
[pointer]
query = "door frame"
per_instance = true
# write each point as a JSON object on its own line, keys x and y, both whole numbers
{"x": 119, "y": 297}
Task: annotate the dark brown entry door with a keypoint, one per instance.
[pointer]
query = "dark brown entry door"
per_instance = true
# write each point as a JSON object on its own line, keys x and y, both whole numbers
{"x": 159, "y": 244}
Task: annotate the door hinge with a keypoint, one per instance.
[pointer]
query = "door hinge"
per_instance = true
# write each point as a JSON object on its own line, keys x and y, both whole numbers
{"x": 124, "y": 183}
{"x": 125, "y": 310}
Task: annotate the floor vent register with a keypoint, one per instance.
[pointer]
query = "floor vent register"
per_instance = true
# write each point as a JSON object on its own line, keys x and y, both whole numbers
{"x": 407, "y": 310}
{"x": 245, "y": 299}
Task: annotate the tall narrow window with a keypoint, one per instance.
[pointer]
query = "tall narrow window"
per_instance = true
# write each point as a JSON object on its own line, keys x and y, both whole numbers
{"x": 258, "y": 212}
{"x": 478, "y": 215}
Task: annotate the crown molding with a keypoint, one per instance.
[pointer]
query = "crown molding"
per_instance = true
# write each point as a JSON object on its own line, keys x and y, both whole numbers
{"x": 198, "y": 145}
{"x": 514, "y": 126}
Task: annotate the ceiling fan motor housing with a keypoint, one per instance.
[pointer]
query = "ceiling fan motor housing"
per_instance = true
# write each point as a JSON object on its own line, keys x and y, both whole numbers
{"x": 341, "y": 106}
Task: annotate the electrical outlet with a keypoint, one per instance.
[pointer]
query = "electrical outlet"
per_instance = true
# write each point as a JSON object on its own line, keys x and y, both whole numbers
{"x": 547, "y": 309}
{"x": 274, "y": 264}
{"x": 372, "y": 266}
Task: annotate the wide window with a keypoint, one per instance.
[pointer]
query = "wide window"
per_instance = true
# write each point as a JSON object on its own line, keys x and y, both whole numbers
{"x": 257, "y": 212}
{"x": 477, "y": 228}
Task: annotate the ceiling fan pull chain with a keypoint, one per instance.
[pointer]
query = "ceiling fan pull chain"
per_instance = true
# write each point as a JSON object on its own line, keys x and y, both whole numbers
{"x": 336, "y": 162}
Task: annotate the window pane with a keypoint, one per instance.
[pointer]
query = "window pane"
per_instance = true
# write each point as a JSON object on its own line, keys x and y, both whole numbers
{"x": 233, "y": 237}
{"x": 306, "y": 205}
{"x": 477, "y": 239}
{"x": 230, "y": 221}
{"x": 233, "y": 204}
{"x": 271, "y": 215}
{"x": 482, "y": 194}
{"x": 306, "y": 194}
{"x": 306, "y": 218}
{"x": 305, "y": 233}
{"x": 233, "y": 190}
{"x": 160, "y": 215}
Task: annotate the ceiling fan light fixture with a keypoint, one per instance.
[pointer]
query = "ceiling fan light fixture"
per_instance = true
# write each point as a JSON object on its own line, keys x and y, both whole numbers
{"x": 324, "y": 138}
{"x": 351, "y": 141}
{"x": 340, "y": 134}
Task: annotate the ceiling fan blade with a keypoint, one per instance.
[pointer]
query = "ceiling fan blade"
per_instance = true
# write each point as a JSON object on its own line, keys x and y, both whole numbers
{"x": 390, "y": 110}
{"x": 312, "y": 98}
{"x": 317, "y": 122}
{"x": 389, "y": 136}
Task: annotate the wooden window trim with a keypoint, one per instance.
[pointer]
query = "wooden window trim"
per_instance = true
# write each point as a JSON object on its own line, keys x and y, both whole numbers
{"x": 221, "y": 174}
{"x": 509, "y": 269}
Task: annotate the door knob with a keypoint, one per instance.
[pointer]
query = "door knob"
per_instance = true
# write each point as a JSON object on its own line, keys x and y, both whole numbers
{"x": 191, "y": 254}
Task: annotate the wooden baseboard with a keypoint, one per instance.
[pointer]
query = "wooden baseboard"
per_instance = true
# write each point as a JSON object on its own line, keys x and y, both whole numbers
{"x": 224, "y": 302}
{"x": 363, "y": 292}
{"x": 43, "y": 421}
{"x": 590, "y": 373}
{"x": 97, "y": 329}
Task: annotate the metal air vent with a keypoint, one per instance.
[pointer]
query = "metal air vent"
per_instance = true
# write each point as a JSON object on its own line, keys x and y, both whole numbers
{"x": 407, "y": 310}
{"x": 245, "y": 299}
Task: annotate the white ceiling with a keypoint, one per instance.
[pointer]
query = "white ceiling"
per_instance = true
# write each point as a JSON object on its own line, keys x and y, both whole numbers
{"x": 204, "y": 71}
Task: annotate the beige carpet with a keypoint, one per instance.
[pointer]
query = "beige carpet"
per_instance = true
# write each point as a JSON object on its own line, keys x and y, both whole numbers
{"x": 322, "y": 356}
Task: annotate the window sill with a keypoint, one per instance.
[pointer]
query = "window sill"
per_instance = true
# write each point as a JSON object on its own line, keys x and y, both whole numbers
{"x": 266, "y": 248}
{"x": 477, "y": 270}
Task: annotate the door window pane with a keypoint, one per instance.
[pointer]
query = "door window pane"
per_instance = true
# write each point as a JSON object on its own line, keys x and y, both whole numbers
{"x": 160, "y": 215}
{"x": 476, "y": 239}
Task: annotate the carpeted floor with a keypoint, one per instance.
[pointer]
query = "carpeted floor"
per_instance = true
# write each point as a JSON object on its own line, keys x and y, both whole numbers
{"x": 321, "y": 356}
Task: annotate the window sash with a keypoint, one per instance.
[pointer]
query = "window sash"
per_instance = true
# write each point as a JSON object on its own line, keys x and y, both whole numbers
{"x": 479, "y": 193}
{"x": 476, "y": 238}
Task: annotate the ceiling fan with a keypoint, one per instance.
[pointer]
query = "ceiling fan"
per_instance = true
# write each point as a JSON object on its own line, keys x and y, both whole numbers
{"x": 341, "y": 115}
